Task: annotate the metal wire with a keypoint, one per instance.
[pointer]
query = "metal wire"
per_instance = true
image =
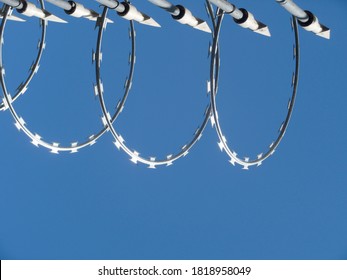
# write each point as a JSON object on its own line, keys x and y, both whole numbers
{"x": 74, "y": 147}
{"x": 234, "y": 158}
{"x": 22, "y": 88}
{"x": 120, "y": 143}
{"x": 211, "y": 112}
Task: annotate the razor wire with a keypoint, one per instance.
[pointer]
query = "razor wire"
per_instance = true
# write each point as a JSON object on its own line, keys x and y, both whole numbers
{"x": 23, "y": 86}
{"x": 223, "y": 145}
{"x": 135, "y": 157}
{"x": 74, "y": 147}
{"x": 241, "y": 16}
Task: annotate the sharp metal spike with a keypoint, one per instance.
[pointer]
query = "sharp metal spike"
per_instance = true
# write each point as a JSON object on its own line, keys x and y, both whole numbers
{"x": 5, "y": 106}
{"x": 108, "y": 116}
{"x": 96, "y": 92}
{"x": 37, "y": 136}
{"x": 151, "y": 166}
{"x": 35, "y": 142}
{"x": 134, "y": 160}
{"x": 22, "y": 122}
{"x": 93, "y": 142}
{"x": 208, "y": 87}
{"x": 18, "y": 126}
{"x": 9, "y": 98}
{"x": 216, "y": 116}
{"x": 232, "y": 161}
{"x": 24, "y": 90}
{"x": 117, "y": 144}
{"x": 213, "y": 121}
{"x": 36, "y": 69}
{"x": 55, "y": 150}
{"x": 103, "y": 119}
{"x": 104, "y": 25}
{"x": 203, "y": 26}
{"x": 209, "y": 49}
{"x": 221, "y": 146}
{"x": 120, "y": 138}
{"x": 74, "y": 149}
{"x": 93, "y": 56}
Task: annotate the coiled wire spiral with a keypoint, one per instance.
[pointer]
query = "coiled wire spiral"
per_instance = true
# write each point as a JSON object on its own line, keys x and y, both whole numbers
{"x": 74, "y": 147}
{"x": 22, "y": 88}
{"x": 120, "y": 143}
{"x": 214, "y": 68}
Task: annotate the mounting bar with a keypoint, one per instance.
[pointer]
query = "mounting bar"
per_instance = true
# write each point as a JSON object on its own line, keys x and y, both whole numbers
{"x": 306, "y": 19}
{"x": 169, "y": 7}
{"x": 228, "y": 8}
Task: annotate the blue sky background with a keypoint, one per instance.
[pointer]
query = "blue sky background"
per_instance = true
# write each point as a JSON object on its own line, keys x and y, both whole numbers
{"x": 96, "y": 204}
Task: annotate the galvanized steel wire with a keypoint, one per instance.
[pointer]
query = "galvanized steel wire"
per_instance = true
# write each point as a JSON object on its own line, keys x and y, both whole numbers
{"x": 211, "y": 113}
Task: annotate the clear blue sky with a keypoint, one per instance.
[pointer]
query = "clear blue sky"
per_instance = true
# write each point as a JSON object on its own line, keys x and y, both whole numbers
{"x": 96, "y": 204}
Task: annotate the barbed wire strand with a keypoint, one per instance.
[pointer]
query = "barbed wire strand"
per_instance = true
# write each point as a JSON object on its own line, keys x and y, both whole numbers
{"x": 135, "y": 157}
{"x": 74, "y": 147}
{"x": 234, "y": 158}
{"x": 23, "y": 86}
